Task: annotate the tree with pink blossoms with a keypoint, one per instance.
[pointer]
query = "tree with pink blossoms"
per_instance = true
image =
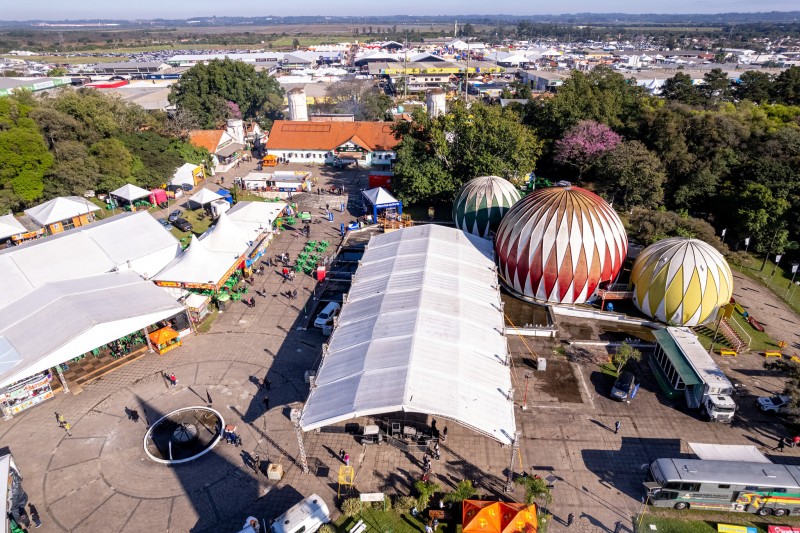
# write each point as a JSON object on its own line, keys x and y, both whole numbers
{"x": 583, "y": 145}
{"x": 232, "y": 110}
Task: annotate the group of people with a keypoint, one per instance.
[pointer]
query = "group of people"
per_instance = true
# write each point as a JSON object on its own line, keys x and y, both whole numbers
{"x": 345, "y": 457}
{"x": 232, "y": 438}
{"x": 786, "y": 441}
{"x": 171, "y": 378}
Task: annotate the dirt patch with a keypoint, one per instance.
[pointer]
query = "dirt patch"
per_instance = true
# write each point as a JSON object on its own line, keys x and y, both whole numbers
{"x": 559, "y": 382}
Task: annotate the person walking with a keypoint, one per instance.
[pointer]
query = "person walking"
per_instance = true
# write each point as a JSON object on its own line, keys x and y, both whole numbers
{"x": 617, "y": 424}
{"x": 347, "y": 459}
{"x": 67, "y": 427}
{"x": 781, "y": 444}
{"x": 570, "y": 519}
{"x": 60, "y": 419}
{"x": 37, "y": 522}
{"x": 444, "y": 434}
{"x": 257, "y": 464}
{"x": 267, "y": 384}
{"x": 266, "y": 403}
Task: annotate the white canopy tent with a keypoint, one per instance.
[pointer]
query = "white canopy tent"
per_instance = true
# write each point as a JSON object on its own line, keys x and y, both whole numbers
{"x": 421, "y": 331}
{"x": 128, "y": 241}
{"x": 198, "y": 264}
{"x": 62, "y": 320}
{"x": 61, "y": 208}
{"x": 184, "y": 175}
{"x": 9, "y": 226}
{"x": 204, "y": 196}
{"x": 130, "y": 192}
{"x": 256, "y": 217}
{"x": 226, "y": 236}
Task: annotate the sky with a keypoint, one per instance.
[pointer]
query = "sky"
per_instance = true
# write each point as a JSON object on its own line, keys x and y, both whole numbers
{"x": 181, "y": 9}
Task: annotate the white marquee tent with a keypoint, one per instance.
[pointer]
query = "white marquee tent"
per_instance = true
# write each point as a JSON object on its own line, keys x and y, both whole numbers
{"x": 255, "y": 217}
{"x": 61, "y": 208}
{"x": 130, "y": 192}
{"x": 62, "y": 320}
{"x": 198, "y": 264}
{"x": 184, "y": 175}
{"x": 204, "y": 196}
{"x": 421, "y": 331}
{"x": 9, "y": 225}
{"x": 226, "y": 236}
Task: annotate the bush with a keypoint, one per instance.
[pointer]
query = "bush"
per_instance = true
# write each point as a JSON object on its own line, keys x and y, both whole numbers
{"x": 464, "y": 491}
{"x": 326, "y": 528}
{"x": 351, "y": 507}
{"x": 426, "y": 489}
{"x": 385, "y": 504}
{"x": 404, "y": 504}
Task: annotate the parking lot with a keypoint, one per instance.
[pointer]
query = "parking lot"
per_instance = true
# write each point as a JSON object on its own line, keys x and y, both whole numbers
{"x": 100, "y": 479}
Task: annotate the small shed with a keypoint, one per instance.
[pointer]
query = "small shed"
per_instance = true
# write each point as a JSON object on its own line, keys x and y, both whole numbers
{"x": 380, "y": 199}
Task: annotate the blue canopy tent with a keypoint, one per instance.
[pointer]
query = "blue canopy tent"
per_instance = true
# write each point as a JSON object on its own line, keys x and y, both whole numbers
{"x": 380, "y": 198}
{"x": 226, "y": 195}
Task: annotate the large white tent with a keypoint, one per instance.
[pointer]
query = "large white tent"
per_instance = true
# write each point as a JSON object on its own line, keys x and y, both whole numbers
{"x": 61, "y": 208}
{"x": 255, "y": 217}
{"x": 62, "y": 320}
{"x": 198, "y": 265}
{"x": 421, "y": 331}
{"x": 204, "y": 196}
{"x": 184, "y": 175}
{"x": 9, "y": 225}
{"x": 130, "y": 192}
{"x": 226, "y": 236}
{"x": 128, "y": 241}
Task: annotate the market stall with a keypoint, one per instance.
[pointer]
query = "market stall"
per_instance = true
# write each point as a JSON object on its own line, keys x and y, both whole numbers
{"x": 165, "y": 339}
{"x": 198, "y": 306}
{"x": 379, "y": 199}
{"x": 129, "y": 197}
{"x": 26, "y": 393}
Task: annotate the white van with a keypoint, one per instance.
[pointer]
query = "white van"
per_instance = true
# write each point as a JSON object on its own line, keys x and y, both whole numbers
{"x": 327, "y": 315}
{"x": 305, "y": 517}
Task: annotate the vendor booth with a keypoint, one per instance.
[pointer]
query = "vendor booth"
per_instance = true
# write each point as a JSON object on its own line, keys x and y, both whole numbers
{"x": 379, "y": 199}
{"x": 188, "y": 174}
{"x": 198, "y": 306}
{"x": 165, "y": 339}
{"x": 199, "y": 268}
{"x": 203, "y": 197}
{"x": 159, "y": 197}
{"x": 482, "y": 516}
{"x": 130, "y": 196}
{"x": 25, "y": 393}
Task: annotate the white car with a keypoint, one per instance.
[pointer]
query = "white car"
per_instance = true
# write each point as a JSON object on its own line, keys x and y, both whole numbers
{"x": 773, "y": 404}
{"x": 327, "y": 315}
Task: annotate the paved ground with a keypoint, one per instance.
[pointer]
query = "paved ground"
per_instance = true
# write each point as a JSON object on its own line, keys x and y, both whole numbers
{"x": 99, "y": 479}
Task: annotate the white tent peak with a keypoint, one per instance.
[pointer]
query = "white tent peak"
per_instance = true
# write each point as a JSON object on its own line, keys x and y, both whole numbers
{"x": 226, "y": 236}
{"x": 130, "y": 192}
{"x": 59, "y": 209}
{"x": 9, "y": 225}
{"x": 204, "y": 196}
{"x": 379, "y": 196}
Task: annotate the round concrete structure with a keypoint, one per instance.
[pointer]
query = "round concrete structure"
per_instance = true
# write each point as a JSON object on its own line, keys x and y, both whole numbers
{"x": 183, "y": 435}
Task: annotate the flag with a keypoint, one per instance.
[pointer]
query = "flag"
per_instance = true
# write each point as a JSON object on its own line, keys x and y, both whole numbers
{"x": 724, "y": 231}
{"x": 778, "y": 258}
{"x": 747, "y": 241}
{"x": 794, "y": 268}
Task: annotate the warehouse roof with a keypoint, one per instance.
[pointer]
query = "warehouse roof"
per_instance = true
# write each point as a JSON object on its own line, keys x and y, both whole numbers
{"x": 421, "y": 331}
{"x": 301, "y": 135}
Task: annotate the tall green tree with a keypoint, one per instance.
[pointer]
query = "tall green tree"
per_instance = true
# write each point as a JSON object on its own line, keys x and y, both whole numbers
{"x": 205, "y": 89}
{"x": 755, "y": 86}
{"x": 359, "y": 98}
{"x": 436, "y": 156}
{"x": 680, "y": 88}
{"x": 716, "y": 87}
{"x": 759, "y": 215}
{"x": 633, "y": 175}
{"x": 787, "y": 86}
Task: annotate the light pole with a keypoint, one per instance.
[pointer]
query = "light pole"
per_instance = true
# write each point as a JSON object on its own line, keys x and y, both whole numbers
{"x": 525, "y": 396}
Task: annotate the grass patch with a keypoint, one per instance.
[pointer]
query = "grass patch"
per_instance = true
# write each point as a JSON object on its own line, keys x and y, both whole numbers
{"x": 205, "y": 325}
{"x": 384, "y": 521}
{"x": 672, "y": 521}
{"x": 443, "y": 212}
{"x": 199, "y": 225}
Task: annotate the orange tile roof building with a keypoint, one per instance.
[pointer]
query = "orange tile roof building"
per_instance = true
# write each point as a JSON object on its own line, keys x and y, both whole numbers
{"x": 369, "y": 143}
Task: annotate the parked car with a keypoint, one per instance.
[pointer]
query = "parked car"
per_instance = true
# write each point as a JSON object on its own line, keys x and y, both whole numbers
{"x": 164, "y": 222}
{"x": 174, "y": 215}
{"x": 773, "y": 404}
{"x": 624, "y": 386}
{"x": 187, "y": 187}
{"x": 183, "y": 225}
{"x": 328, "y": 313}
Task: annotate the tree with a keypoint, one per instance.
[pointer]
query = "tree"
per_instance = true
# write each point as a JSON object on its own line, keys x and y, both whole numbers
{"x": 74, "y": 172}
{"x": 633, "y": 174}
{"x": 464, "y": 491}
{"x": 57, "y": 71}
{"x": 584, "y": 144}
{"x": 205, "y": 89}
{"x": 426, "y": 489}
{"x": 436, "y": 156}
{"x": 625, "y": 352}
{"x": 787, "y": 86}
{"x": 359, "y": 98}
{"x": 296, "y": 43}
{"x": 113, "y": 160}
{"x": 25, "y": 161}
{"x": 716, "y": 87}
{"x": 536, "y": 489}
{"x": 758, "y": 214}
{"x": 680, "y": 88}
{"x": 754, "y": 85}
{"x": 157, "y": 155}
{"x": 652, "y": 225}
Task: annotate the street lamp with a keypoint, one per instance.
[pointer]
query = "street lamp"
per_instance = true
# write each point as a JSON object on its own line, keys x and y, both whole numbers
{"x": 525, "y": 396}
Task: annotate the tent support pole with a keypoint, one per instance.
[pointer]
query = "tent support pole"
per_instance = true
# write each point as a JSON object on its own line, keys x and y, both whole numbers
{"x": 514, "y": 449}
{"x": 147, "y": 338}
{"x": 62, "y": 379}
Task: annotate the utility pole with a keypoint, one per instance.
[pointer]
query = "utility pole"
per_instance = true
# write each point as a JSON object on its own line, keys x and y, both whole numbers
{"x": 295, "y": 416}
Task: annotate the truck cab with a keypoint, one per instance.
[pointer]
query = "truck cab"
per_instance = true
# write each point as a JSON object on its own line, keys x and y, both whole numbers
{"x": 719, "y": 407}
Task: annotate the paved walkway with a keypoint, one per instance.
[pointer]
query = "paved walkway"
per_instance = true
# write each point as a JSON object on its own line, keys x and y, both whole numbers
{"x": 99, "y": 479}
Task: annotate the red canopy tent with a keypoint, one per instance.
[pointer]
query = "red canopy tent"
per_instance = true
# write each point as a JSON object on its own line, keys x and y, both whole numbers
{"x": 481, "y": 516}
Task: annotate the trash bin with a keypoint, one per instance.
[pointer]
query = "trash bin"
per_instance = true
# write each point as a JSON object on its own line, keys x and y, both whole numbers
{"x": 275, "y": 472}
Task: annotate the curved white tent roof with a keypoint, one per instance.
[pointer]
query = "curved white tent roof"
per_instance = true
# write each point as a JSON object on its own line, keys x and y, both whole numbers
{"x": 59, "y": 209}
{"x": 81, "y": 314}
{"x": 130, "y": 192}
{"x": 421, "y": 331}
{"x": 379, "y": 196}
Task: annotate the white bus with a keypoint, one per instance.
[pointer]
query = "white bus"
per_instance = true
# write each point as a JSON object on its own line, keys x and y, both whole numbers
{"x": 760, "y": 488}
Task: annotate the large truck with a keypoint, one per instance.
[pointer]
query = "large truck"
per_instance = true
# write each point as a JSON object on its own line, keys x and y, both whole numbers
{"x": 685, "y": 366}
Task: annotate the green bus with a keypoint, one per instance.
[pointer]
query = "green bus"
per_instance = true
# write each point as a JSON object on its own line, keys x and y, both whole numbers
{"x": 760, "y": 488}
